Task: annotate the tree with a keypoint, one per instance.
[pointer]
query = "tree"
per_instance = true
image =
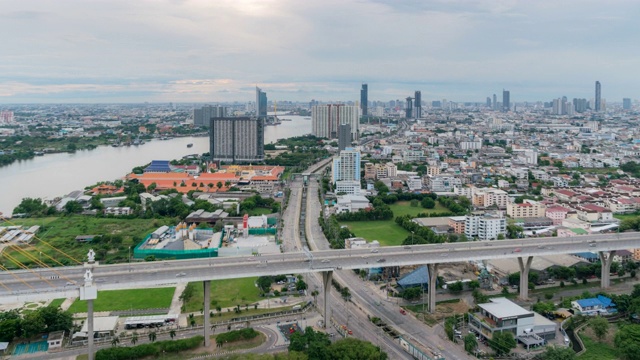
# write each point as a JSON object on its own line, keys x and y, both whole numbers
{"x": 502, "y": 342}
{"x": 10, "y": 325}
{"x": 315, "y": 294}
{"x": 264, "y": 283}
{"x": 153, "y": 336}
{"x": 470, "y": 343}
{"x": 301, "y": 285}
{"x": 219, "y": 185}
{"x": 456, "y": 287}
{"x": 72, "y": 207}
{"x": 352, "y": 349}
{"x": 558, "y": 353}
{"x": 32, "y": 324}
{"x": 473, "y": 284}
{"x": 115, "y": 342}
{"x": 627, "y": 342}
{"x": 600, "y": 326}
{"x": 134, "y": 338}
{"x": 428, "y": 203}
{"x": 411, "y": 293}
{"x": 172, "y": 334}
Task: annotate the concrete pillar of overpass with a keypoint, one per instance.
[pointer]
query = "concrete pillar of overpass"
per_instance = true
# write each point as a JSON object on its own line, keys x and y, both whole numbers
{"x": 525, "y": 266}
{"x": 433, "y": 279}
{"x": 90, "y": 329}
{"x": 207, "y": 318}
{"x": 326, "y": 283}
{"x": 606, "y": 258}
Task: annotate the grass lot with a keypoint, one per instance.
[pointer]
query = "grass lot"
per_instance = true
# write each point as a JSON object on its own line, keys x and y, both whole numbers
{"x": 56, "y": 302}
{"x": 401, "y": 208}
{"x": 626, "y": 216}
{"x": 60, "y": 232}
{"x": 387, "y": 232}
{"x": 597, "y": 350}
{"x": 260, "y": 211}
{"x": 133, "y": 299}
{"x": 225, "y": 293}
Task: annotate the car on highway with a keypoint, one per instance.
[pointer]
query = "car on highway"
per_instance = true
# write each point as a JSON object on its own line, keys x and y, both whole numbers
{"x": 350, "y": 332}
{"x": 382, "y": 260}
{"x": 181, "y": 274}
{"x": 251, "y": 258}
{"x": 374, "y": 250}
{"x": 517, "y": 250}
{"x": 403, "y": 312}
{"x": 69, "y": 283}
{"x": 592, "y": 245}
{"x": 325, "y": 261}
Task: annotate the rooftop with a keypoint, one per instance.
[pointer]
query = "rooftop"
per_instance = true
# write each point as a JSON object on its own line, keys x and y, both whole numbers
{"x": 503, "y": 308}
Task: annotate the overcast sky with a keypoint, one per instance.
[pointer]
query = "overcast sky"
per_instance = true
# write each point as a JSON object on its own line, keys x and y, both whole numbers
{"x": 218, "y": 50}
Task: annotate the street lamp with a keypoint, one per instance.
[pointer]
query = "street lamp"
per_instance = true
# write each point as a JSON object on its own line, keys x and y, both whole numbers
{"x": 129, "y": 258}
{"x": 412, "y": 238}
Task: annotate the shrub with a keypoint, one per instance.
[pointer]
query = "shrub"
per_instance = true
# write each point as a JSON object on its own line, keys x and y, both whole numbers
{"x": 146, "y": 350}
{"x": 236, "y": 335}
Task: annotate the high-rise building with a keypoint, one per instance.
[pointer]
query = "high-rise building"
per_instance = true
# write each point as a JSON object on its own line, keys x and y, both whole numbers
{"x": 364, "y": 99}
{"x": 506, "y": 102}
{"x": 344, "y": 136}
{"x": 598, "y": 103}
{"x": 346, "y": 166}
{"x": 580, "y": 105}
{"x": 237, "y": 140}
{"x": 261, "y": 103}
{"x": 488, "y": 102}
{"x": 495, "y": 102}
{"x": 325, "y": 120}
{"x": 626, "y": 104}
{"x": 202, "y": 116}
{"x": 418, "y": 104}
{"x": 409, "y": 109}
{"x": 6, "y": 117}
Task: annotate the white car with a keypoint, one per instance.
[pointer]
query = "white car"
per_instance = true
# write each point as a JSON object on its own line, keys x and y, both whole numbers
{"x": 325, "y": 261}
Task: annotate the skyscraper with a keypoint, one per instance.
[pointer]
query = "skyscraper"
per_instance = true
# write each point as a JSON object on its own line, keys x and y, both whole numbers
{"x": 418, "y": 104}
{"x": 346, "y": 167}
{"x": 325, "y": 120}
{"x": 364, "y": 99}
{"x": 598, "y": 97}
{"x": 261, "y": 103}
{"x": 202, "y": 116}
{"x": 409, "y": 109}
{"x": 626, "y": 104}
{"x": 237, "y": 140}
{"x": 506, "y": 103}
{"x": 344, "y": 136}
{"x": 488, "y": 102}
{"x": 495, "y": 102}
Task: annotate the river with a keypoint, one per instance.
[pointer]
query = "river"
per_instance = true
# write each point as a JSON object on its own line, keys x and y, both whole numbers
{"x": 55, "y": 175}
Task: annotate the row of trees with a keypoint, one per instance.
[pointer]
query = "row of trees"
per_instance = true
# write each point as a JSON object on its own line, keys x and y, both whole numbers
{"x": 334, "y": 233}
{"x": 40, "y": 321}
{"x": 318, "y": 346}
{"x": 380, "y": 211}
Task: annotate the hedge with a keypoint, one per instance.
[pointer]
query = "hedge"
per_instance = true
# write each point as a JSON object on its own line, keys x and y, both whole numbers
{"x": 152, "y": 349}
{"x": 236, "y": 335}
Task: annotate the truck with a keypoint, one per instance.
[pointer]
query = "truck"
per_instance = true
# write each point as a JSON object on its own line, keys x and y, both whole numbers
{"x": 296, "y": 307}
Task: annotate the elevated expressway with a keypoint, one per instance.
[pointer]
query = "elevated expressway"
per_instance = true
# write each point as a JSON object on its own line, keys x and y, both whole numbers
{"x": 39, "y": 284}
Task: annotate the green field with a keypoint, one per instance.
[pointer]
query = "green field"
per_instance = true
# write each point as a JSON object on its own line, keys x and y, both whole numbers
{"x": 133, "y": 299}
{"x": 597, "y": 350}
{"x": 60, "y": 233}
{"x": 387, "y": 232}
{"x": 225, "y": 293}
{"x": 401, "y": 208}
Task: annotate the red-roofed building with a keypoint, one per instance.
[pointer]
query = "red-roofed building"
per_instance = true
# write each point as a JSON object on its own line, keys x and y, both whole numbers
{"x": 594, "y": 213}
{"x": 557, "y": 214}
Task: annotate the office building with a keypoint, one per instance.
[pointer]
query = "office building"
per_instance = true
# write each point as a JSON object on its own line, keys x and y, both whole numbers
{"x": 237, "y": 140}
{"x": 418, "y": 104}
{"x": 488, "y": 102}
{"x": 344, "y": 136}
{"x": 626, "y": 104}
{"x": 364, "y": 99}
{"x": 202, "y": 116}
{"x": 506, "y": 101}
{"x": 261, "y": 104}
{"x": 598, "y": 102}
{"x": 346, "y": 166}
{"x": 495, "y": 102}
{"x": 580, "y": 105}
{"x": 326, "y": 119}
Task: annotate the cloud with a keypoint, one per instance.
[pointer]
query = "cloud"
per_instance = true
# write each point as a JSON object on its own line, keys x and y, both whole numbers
{"x": 198, "y": 50}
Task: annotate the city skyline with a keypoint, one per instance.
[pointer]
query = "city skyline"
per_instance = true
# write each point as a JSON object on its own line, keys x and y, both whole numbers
{"x": 132, "y": 52}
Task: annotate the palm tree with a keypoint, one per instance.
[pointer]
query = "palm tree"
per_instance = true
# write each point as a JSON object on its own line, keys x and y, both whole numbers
{"x": 227, "y": 184}
{"x": 210, "y": 185}
{"x": 315, "y": 294}
{"x": 115, "y": 342}
{"x": 219, "y": 185}
{"x": 153, "y": 336}
{"x": 172, "y": 334}
{"x": 134, "y": 338}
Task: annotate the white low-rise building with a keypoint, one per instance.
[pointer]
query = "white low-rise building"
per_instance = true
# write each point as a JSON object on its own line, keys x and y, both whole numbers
{"x": 351, "y": 203}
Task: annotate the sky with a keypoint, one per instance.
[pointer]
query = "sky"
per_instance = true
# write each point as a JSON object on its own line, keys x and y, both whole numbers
{"x": 131, "y": 51}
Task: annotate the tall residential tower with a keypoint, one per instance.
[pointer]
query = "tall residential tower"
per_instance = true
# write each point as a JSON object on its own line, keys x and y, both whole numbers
{"x": 364, "y": 99}
{"x": 261, "y": 104}
{"x": 506, "y": 101}
{"x": 326, "y": 120}
{"x": 598, "y": 104}
{"x": 237, "y": 140}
